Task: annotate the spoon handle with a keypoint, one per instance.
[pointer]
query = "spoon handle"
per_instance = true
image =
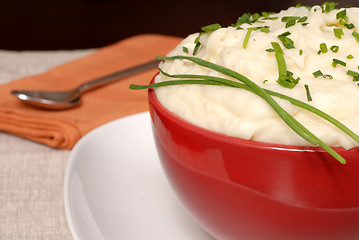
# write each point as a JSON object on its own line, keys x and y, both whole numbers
{"x": 116, "y": 76}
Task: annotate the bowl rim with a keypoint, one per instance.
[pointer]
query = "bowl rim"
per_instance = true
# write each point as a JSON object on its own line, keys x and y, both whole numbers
{"x": 231, "y": 139}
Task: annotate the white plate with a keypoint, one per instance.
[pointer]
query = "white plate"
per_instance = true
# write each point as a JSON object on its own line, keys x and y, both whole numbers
{"x": 115, "y": 187}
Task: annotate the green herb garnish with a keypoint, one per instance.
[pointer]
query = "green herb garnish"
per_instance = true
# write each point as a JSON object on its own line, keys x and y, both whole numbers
{"x": 342, "y": 15}
{"x": 277, "y": 48}
{"x": 349, "y": 26}
{"x": 356, "y": 35}
{"x": 337, "y": 61}
{"x": 317, "y": 73}
{"x": 185, "y": 50}
{"x": 287, "y": 42}
{"x": 328, "y": 6}
{"x": 327, "y": 76}
{"x": 302, "y": 19}
{"x": 323, "y": 48}
{"x": 245, "y": 18}
{"x": 265, "y": 94}
{"x": 285, "y": 78}
{"x": 354, "y": 74}
{"x": 266, "y": 16}
{"x": 211, "y": 28}
{"x": 206, "y": 30}
{"x": 309, "y": 97}
{"x": 334, "y": 48}
{"x": 265, "y": 29}
{"x": 196, "y": 48}
{"x": 338, "y": 32}
{"x": 246, "y": 38}
{"x": 290, "y": 20}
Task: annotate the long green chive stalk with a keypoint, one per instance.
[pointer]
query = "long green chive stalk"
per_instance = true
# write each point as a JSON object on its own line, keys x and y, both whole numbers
{"x": 211, "y": 80}
{"x": 265, "y": 94}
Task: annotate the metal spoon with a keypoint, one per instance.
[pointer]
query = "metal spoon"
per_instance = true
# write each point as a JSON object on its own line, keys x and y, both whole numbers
{"x": 72, "y": 98}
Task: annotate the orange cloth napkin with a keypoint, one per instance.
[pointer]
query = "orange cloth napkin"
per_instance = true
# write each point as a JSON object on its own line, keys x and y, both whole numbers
{"x": 62, "y": 129}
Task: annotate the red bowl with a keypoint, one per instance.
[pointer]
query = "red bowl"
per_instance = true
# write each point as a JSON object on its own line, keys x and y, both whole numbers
{"x": 239, "y": 189}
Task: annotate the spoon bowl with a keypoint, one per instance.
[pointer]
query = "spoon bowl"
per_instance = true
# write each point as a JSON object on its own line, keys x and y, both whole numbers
{"x": 50, "y": 100}
{"x": 72, "y": 98}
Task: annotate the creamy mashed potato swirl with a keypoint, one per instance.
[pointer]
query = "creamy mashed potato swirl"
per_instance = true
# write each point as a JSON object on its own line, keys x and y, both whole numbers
{"x": 240, "y": 113}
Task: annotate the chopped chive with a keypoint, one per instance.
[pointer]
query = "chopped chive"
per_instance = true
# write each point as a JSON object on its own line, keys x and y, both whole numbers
{"x": 342, "y": 21}
{"x": 287, "y": 42}
{"x": 350, "y": 56}
{"x": 211, "y": 28}
{"x": 285, "y": 78}
{"x": 265, "y": 14}
{"x": 300, "y": 52}
{"x": 309, "y": 97}
{"x": 349, "y": 26}
{"x": 317, "y": 73}
{"x": 185, "y": 49}
{"x": 338, "y": 32}
{"x": 245, "y": 18}
{"x": 323, "y": 48}
{"x": 337, "y": 61}
{"x": 319, "y": 52}
{"x": 246, "y": 38}
{"x": 356, "y": 35}
{"x": 287, "y": 33}
{"x": 328, "y": 6}
{"x": 277, "y": 48}
{"x": 282, "y": 68}
{"x": 270, "y": 50}
{"x": 327, "y": 76}
{"x": 206, "y": 29}
{"x": 265, "y": 29}
{"x": 342, "y": 14}
{"x": 334, "y": 48}
{"x": 290, "y": 23}
{"x": 196, "y": 48}
{"x": 255, "y": 17}
{"x": 305, "y": 24}
{"x": 265, "y": 81}
{"x": 290, "y": 20}
{"x": 198, "y": 37}
{"x": 302, "y": 19}
{"x": 354, "y": 74}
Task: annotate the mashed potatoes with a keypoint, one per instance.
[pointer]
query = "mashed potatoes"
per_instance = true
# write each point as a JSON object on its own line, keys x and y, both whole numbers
{"x": 323, "y": 53}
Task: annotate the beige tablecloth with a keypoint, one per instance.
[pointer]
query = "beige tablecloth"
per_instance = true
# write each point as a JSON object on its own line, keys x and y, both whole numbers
{"x": 31, "y": 174}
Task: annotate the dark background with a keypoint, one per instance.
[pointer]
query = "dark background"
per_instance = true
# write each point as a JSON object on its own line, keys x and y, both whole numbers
{"x": 80, "y": 24}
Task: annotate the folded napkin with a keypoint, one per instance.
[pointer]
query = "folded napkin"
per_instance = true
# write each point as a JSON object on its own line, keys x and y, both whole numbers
{"x": 62, "y": 129}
